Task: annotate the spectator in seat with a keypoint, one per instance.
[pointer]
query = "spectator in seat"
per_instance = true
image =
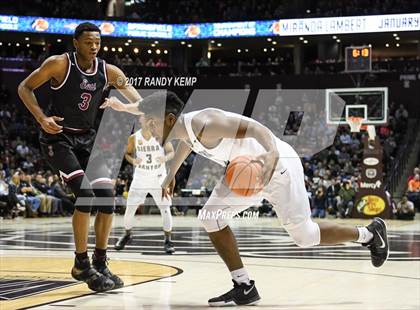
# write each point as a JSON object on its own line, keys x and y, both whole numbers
{"x": 41, "y": 185}
{"x": 18, "y": 198}
{"x": 36, "y": 199}
{"x": 332, "y": 196}
{"x": 319, "y": 202}
{"x": 127, "y": 61}
{"x": 405, "y": 209}
{"x": 150, "y": 63}
{"x": 138, "y": 62}
{"x": 413, "y": 192}
{"x": 416, "y": 171}
{"x": 58, "y": 191}
{"x": 6, "y": 208}
{"x": 161, "y": 63}
{"x": 401, "y": 114}
{"x": 202, "y": 63}
{"x": 346, "y": 201}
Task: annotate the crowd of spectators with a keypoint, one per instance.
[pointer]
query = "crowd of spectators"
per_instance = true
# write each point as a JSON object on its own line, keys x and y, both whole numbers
{"x": 413, "y": 188}
{"x": 186, "y": 11}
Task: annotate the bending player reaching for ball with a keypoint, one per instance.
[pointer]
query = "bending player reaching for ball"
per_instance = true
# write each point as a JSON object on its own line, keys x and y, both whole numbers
{"x": 222, "y": 136}
{"x": 150, "y": 171}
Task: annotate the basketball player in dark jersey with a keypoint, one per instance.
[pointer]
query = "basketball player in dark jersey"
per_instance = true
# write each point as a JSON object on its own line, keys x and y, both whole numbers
{"x": 77, "y": 82}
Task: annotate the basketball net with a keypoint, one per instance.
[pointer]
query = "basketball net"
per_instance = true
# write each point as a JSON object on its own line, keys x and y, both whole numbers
{"x": 355, "y": 124}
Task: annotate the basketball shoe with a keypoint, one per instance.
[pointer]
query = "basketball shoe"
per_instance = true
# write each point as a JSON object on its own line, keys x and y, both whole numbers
{"x": 83, "y": 271}
{"x": 101, "y": 266}
{"x": 123, "y": 241}
{"x": 378, "y": 246}
{"x": 241, "y": 294}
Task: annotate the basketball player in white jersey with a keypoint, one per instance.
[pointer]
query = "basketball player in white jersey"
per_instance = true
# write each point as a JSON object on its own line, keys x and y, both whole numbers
{"x": 149, "y": 173}
{"x": 221, "y": 136}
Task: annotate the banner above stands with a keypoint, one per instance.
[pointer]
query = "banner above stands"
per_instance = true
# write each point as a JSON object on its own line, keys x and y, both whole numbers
{"x": 283, "y": 27}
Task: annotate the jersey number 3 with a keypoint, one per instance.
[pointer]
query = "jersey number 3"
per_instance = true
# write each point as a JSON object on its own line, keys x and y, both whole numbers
{"x": 149, "y": 158}
{"x": 84, "y": 105}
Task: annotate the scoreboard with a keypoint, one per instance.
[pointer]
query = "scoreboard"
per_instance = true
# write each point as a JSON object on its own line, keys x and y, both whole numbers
{"x": 358, "y": 59}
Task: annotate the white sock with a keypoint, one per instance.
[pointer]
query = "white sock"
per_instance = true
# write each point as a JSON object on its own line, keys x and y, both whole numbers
{"x": 364, "y": 235}
{"x": 240, "y": 276}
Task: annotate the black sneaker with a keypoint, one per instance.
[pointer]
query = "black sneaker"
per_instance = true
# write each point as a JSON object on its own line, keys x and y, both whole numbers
{"x": 378, "y": 246}
{"x": 123, "y": 241}
{"x": 83, "y": 271}
{"x": 169, "y": 247}
{"x": 241, "y": 294}
{"x": 101, "y": 267}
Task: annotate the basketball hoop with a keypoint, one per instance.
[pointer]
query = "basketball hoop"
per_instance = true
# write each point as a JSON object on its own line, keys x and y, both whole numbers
{"x": 355, "y": 123}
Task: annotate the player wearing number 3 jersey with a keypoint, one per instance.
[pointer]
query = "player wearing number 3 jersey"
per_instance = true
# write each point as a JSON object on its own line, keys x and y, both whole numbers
{"x": 149, "y": 159}
{"x": 77, "y": 82}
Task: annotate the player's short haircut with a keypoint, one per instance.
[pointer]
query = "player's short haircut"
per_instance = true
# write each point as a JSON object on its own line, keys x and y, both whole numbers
{"x": 153, "y": 104}
{"x": 85, "y": 27}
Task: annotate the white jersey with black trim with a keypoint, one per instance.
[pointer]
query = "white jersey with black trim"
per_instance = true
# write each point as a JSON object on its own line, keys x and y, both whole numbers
{"x": 229, "y": 148}
{"x": 148, "y": 150}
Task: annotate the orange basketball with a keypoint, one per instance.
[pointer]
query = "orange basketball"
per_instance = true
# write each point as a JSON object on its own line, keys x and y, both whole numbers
{"x": 244, "y": 175}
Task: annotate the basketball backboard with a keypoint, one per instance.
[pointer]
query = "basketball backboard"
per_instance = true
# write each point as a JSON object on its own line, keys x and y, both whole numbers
{"x": 370, "y": 103}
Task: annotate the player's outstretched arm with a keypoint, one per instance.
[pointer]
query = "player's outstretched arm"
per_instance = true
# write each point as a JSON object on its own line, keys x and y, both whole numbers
{"x": 118, "y": 79}
{"x": 181, "y": 153}
{"x": 51, "y": 69}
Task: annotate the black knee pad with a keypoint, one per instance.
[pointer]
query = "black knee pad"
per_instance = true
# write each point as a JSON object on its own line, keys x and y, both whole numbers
{"x": 84, "y": 200}
{"x": 104, "y": 200}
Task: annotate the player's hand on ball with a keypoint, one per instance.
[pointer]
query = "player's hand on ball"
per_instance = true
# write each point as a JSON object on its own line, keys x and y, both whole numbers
{"x": 269, "y": 161}
{"x": 49, "y": 124}
{"x": 113, "y": 103}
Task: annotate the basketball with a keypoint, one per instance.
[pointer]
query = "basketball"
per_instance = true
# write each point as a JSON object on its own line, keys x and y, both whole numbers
{"x": 243, "y": 176}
